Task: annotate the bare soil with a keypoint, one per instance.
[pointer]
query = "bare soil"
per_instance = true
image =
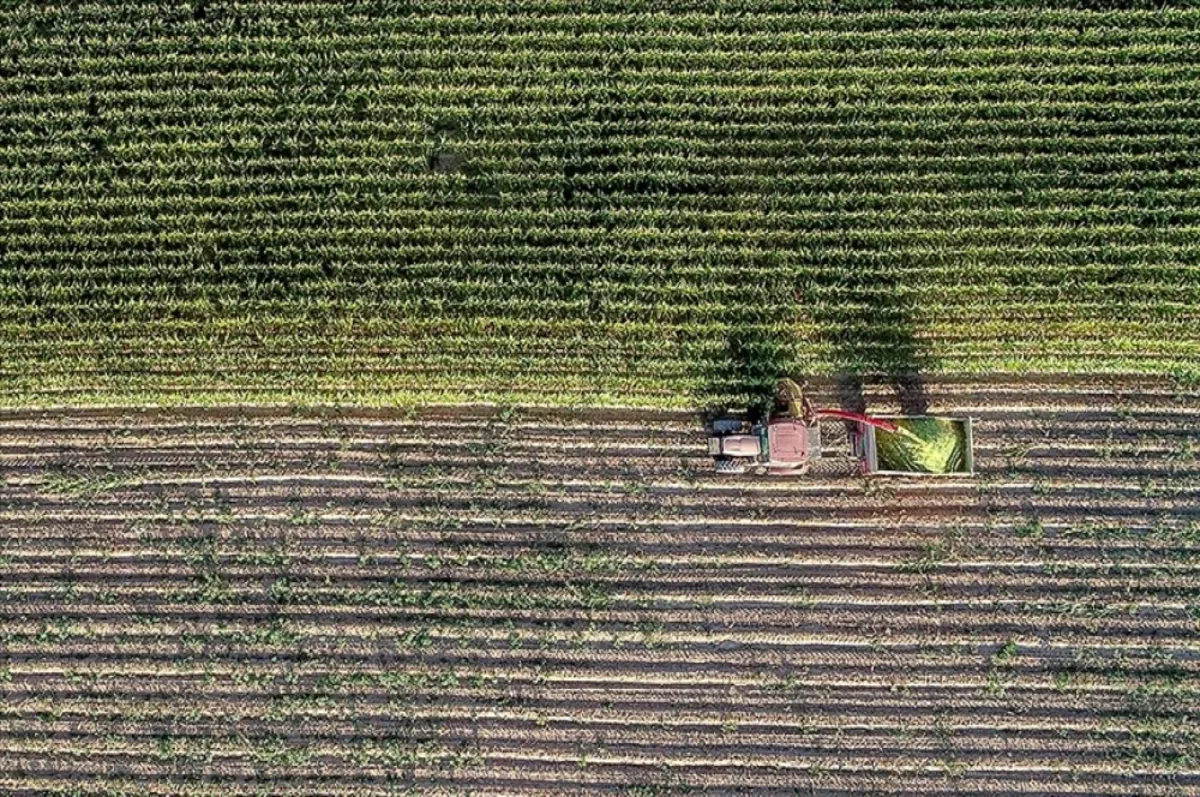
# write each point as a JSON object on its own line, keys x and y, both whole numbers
{"x": 528, "y": 601}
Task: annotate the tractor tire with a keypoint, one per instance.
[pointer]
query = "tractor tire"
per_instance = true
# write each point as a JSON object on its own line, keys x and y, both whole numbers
{"x": 730, "y": 467}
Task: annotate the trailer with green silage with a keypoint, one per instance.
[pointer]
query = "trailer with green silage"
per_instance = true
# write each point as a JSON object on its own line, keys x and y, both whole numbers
{"x": 921, "y": 445}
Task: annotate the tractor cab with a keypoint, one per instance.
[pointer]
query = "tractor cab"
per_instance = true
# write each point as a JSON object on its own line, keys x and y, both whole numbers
{"x": 788, "y": 441}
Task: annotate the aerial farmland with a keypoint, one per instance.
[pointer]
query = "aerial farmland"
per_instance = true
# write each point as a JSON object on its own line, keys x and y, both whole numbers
{"x": 358, "y": 362}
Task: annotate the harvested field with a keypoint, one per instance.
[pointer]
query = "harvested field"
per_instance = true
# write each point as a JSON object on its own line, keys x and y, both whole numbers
{"x": 524, "y": 601}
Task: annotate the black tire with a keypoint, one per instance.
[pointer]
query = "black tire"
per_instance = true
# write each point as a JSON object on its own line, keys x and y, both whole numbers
{"x": 730, "y": 467}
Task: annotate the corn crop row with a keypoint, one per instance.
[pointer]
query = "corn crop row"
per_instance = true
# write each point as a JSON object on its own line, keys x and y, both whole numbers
{"x": 528, "y": 198}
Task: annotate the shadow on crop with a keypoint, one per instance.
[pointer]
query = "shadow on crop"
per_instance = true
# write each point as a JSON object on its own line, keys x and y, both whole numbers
{"x": 868, "y": 325}
{"x": 739, "y": 370}
{"x": 754, "y": 358}
{"x": 865, "y": 323}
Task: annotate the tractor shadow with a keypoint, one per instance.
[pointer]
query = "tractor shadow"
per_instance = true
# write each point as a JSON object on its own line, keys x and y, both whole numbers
{"x": 739, "y": 371}
{"x": 849, "y": 392}
{"x": 868, "y": 329}
{"x": 740, "y": 375}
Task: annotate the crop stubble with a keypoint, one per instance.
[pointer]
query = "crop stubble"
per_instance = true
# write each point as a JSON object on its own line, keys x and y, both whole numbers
{"x": 469, "y": 600}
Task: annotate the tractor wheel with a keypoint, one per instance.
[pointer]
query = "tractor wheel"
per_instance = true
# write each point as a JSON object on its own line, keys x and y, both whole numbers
{"x": 730, "y": 467}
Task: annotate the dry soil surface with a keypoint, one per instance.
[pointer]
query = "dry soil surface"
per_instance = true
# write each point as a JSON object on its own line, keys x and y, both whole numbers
{"x": 475, "y": 600}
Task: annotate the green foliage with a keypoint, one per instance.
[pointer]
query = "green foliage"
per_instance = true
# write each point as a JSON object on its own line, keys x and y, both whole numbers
{"x": 412, "y": 202}
{"x": 949, "y": 546}
{"x": 1006, "y": 654}
{"x": 1030, "y": 529}
{"x": 70, "y": 484}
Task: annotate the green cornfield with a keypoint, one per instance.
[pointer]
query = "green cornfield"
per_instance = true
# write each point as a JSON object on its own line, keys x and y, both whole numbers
{"x": 634, "y": 202}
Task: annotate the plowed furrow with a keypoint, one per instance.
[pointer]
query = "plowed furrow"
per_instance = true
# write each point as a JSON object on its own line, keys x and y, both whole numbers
{"x": 492, "y": 601}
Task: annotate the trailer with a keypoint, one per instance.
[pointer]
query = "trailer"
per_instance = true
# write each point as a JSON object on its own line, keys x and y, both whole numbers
{"x": 946, "y": 447}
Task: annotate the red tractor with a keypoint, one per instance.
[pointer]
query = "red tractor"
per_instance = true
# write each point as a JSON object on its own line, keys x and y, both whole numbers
{"x": 782, "y": 445}
{"x": 789, "y": 439}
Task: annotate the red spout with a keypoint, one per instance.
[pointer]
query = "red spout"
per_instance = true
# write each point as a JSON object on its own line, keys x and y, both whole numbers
{"x": 858, "y": 417}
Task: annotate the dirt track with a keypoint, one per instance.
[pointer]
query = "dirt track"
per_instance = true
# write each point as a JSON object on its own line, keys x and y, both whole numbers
{"x": 533, "y": 601}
